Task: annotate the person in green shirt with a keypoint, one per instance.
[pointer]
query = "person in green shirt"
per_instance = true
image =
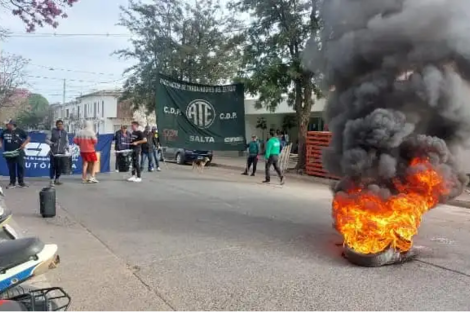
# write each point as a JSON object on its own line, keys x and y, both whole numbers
{"x": 253, "y": 152}
{"x": 273, "y": 149}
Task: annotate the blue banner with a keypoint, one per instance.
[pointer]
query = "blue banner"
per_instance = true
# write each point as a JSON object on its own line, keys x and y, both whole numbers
{"x": 37, "y": 156}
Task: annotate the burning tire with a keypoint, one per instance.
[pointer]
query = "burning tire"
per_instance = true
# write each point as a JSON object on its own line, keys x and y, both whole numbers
{"x": 387, "y": 257}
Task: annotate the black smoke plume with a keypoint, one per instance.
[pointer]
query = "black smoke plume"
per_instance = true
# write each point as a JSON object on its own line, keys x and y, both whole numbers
{"x": 397, "y": 77}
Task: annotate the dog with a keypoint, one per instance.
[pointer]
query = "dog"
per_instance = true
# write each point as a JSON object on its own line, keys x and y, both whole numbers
{"x": 200, "y": 164}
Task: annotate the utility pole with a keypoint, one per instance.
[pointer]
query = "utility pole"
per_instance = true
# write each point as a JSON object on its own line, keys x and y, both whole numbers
{"x": 64, "y": 90}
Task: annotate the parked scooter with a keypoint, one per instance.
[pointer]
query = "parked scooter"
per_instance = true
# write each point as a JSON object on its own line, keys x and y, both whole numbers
{"x": 20, "y": 260}
{"x": 23, "y": 259}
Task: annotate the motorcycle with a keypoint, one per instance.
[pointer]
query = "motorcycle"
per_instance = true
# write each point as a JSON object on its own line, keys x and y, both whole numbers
{"x": 21, "y": 259}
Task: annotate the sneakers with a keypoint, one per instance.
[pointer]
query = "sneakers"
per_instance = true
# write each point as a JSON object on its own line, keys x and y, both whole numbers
{"x": 135, "y": 179}
{"x": 132, "y": 178}
{"x": 93, "y": 180}
{"x": 117, "y": 171}
{"x": 159, "y": 169}
{"x": 245, "y": 173}
{"x": 11, "y": 186}
{"x": 252, "y": 174}
{"x": 282, "y": 180}
{"x": 57, "y": 182}
{"x": 266, "y": 181}
{"x": 22, "y": 185}
{"x": 52, "y": 184}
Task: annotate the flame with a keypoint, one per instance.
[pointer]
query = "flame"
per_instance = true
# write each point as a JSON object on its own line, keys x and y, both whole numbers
{"x": 370, "y": 224}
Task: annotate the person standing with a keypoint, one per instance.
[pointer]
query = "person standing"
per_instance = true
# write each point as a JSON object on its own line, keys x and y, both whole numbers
{"x": 122, "y": 140}
{"x": 14, "y": 140}
{"x": 253, "y": 152}
{"x": 137, "y": 139}
{"x": 147, "y": 148}
{"x": 156, "y": 147}
{"x": 59, "y": 142}
{"x": 273, "y": 149}
{"x": 86, "y": 140}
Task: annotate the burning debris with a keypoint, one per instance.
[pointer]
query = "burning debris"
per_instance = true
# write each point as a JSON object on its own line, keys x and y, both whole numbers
{"x": 399, "y": 112}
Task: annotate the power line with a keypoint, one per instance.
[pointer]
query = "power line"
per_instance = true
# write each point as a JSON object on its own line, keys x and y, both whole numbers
{"x": 42, "y": 35}
{"x": 71, "y": 71}
{"x": 76, "y": 80}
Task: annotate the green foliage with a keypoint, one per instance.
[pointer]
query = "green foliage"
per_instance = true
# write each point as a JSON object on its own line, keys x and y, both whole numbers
{"x": 188, "y": 42}
{"x": 37, "y": 102}
{"x": 276, "y": 37}
{"x": 289, "y": 121}
{"x": 38, "y": 116}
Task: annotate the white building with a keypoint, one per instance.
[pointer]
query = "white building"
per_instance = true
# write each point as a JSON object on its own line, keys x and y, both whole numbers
{"x": 277, "y": 119}
{"x": 103, "y": 108}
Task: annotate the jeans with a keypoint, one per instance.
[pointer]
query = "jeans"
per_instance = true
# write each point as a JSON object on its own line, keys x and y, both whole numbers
{"x": 272, "y": 160}
{"x": 135, "y": 164}
{"x": 55, "y": 167}
{"x": 146, "y": 156}
{"x": 252, "y": 160}
{"x": 156, "y": 157}
{"x": 16, "y": 168}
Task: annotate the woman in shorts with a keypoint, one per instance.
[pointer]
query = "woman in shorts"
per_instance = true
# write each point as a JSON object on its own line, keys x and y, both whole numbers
{"x": 86, "y": 140}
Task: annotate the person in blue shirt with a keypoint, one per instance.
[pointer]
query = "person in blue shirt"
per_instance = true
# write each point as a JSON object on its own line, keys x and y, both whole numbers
{"x": 253, "y": 152}
{"x": 13, "y": 140}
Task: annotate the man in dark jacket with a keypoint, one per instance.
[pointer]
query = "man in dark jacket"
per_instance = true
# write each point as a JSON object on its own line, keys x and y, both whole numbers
{"x": 14, "y": 140}
{"x": 59, "y": 142}
{"x": 156, "y": 147}
{"x": 122, "y": 140}
{"x": 147, "y": 149}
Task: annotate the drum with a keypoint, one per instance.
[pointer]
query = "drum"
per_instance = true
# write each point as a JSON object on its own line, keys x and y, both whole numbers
{"x": 65, "y": 163}
{"x": 123, "y": 159}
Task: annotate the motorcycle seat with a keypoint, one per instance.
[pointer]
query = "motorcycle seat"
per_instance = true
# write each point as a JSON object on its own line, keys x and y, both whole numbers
{"x": 18, "y": 251}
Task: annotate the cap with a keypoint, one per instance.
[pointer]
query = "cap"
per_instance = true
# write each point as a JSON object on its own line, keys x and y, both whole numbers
{"x": 154, "y": 128}
{"x": 12, "y": 122}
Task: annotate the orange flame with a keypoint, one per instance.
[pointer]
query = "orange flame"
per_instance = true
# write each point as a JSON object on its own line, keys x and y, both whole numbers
{"x": 370, "y": 224}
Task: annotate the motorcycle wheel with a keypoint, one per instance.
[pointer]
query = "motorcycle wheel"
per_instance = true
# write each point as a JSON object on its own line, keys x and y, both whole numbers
{"x": 40, "y": 305}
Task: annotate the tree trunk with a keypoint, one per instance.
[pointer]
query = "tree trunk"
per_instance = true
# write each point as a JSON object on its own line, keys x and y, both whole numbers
{"x": 303, "y": 118}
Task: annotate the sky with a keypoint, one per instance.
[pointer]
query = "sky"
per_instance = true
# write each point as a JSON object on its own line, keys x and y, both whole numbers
{"x": 53, "y": 59}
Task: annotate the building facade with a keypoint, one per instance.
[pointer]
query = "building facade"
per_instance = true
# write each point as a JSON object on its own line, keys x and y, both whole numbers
{"x": 283, "y": 118}
{"x": 103, "y": 108}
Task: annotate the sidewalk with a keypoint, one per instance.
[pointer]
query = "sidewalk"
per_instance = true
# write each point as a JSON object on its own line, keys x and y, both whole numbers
{"x": 95, "y": 278}
{"x": 239, "y": 163}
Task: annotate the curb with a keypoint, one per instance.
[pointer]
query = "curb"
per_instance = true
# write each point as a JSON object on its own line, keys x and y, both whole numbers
{"x": 329, "y": 182}
{"x": 297, "y": 177}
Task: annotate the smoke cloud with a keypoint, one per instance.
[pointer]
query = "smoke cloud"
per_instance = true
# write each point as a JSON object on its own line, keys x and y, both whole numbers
{"x": 401, "y": 76}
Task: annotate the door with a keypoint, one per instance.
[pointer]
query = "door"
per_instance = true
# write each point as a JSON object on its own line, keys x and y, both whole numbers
{"x": 169, "y": 153}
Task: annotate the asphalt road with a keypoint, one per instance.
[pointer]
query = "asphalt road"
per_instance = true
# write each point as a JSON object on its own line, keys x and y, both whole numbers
{"x": 219, "y": 241}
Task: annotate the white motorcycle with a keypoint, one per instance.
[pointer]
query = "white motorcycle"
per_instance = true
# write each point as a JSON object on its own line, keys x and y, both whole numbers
{"x": 22, "y": 259}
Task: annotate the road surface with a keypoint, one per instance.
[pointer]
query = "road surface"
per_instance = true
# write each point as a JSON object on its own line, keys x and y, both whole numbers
{"x": 219, "y": 241}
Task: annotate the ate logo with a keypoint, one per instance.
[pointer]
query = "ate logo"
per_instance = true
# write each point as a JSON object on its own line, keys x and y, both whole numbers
{"x": 37, "y": 149}
{"x": 201, "y": 113}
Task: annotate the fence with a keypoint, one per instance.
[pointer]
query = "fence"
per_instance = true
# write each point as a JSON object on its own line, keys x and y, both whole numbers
{"x": 316, "y": 141}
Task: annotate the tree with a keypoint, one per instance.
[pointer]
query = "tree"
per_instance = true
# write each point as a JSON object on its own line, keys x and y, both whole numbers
{"x": 189, "y": 42}
{"x": 12, "y": 75}
{"x": 272, "y": 57}
{"x": 38, "y": 12}
{"x": 37, "y": 116}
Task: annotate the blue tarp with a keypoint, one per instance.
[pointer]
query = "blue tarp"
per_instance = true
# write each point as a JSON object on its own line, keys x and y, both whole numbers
{"x": 37, "y": 156}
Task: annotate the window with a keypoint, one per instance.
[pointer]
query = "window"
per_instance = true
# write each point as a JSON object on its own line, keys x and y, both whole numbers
{"x": 67, "y": 113}
{"x": 78, "y": 112}
{"x": 94, "y": 110}
{"x": 102, "y": 108}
